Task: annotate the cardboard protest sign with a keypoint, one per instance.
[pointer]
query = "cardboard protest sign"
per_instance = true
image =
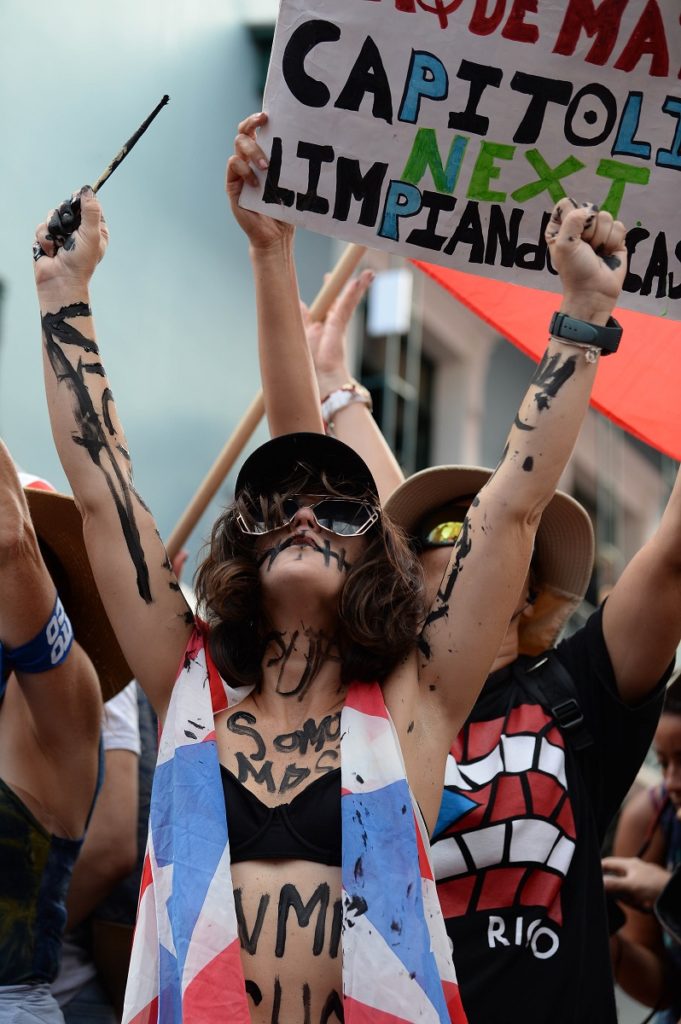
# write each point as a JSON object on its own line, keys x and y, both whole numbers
{"x": 446, "y": 130}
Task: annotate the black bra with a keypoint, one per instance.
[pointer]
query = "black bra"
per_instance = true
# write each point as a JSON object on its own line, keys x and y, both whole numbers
{"x": 307, "y": 828}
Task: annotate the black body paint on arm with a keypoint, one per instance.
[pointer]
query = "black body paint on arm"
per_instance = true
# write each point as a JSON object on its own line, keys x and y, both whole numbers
{"x": 611, "y": 261}
{"x": 107, "y": 400}
{"x": 550, "y": 376}
{"x": 442, "y": 599}
{"x": 92, "y": 435}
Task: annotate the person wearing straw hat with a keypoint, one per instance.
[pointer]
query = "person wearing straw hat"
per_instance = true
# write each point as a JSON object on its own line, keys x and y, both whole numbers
{"x": 314, "y": 606}
{"x": 50, "y": 707}
{"x": 529, "y": 787}
{"x": 548, "y": 753}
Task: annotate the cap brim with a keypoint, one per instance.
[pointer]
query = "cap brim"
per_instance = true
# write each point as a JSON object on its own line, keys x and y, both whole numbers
{"x": 274, "y": 462}
{"x": 59, "y": 527}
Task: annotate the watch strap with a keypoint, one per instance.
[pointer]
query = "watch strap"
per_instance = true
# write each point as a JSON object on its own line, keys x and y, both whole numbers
{"x": 581, "y": 332}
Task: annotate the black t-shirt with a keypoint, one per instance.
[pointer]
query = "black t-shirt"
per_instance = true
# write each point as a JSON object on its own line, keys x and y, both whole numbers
{"x": 516, "y": 849}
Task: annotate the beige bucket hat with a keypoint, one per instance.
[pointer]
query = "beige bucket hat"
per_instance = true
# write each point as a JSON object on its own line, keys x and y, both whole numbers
{"x": 564, "y": 548}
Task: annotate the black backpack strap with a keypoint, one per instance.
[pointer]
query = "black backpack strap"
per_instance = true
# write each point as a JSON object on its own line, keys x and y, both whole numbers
{"x": 558, "y": 695}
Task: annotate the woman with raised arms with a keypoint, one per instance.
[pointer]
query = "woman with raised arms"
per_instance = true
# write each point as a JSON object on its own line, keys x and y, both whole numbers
{"x": 307, "y": 662}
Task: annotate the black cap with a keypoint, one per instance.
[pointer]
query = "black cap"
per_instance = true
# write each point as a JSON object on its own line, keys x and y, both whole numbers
{"x": 272, "y": 463}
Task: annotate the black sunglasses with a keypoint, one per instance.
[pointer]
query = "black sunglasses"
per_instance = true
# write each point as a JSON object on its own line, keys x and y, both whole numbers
{"x": 346, "y": 517}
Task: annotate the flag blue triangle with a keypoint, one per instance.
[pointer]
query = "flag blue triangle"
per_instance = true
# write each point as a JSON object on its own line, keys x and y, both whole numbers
{"x": 454, "y": 805}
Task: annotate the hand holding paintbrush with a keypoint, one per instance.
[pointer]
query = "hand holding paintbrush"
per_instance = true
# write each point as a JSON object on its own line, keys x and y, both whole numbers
{"x": 66, "y": 218}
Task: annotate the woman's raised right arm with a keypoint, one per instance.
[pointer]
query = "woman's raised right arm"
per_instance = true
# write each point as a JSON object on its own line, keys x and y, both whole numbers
{"x": 140, "y": 592}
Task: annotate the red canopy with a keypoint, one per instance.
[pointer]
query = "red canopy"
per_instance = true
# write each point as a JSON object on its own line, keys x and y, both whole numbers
{"x": 639, "y": 388}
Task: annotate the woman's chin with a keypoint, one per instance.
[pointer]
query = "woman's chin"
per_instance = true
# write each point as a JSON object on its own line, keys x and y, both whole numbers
{"x": 302, "y": 566}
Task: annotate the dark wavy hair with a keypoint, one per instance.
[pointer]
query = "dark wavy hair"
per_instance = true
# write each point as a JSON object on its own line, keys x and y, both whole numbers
{"x": 380, "y": 606}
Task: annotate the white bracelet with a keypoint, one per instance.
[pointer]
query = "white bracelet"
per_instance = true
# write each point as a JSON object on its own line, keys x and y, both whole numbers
{"x": 342, "y": 397}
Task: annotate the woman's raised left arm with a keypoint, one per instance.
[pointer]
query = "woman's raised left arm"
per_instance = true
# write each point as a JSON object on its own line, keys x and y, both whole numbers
{"x": 488, "y": 567}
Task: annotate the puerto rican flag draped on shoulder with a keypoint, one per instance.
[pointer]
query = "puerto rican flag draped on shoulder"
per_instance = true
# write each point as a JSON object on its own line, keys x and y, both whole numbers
{"x": 637, "y": 388}
{"x": 397, "y": 966}
{"x": 186, "y": 964}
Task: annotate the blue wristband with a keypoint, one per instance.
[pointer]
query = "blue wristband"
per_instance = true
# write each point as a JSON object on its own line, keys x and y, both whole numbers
{"x": 46, "y": 650}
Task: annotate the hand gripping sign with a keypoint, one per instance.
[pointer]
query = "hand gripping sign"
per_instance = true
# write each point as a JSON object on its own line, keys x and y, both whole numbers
{"x": 446, "y": 130}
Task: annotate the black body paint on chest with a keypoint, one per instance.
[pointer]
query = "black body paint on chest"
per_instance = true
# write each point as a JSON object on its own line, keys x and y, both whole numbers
{"x": 289, "y": 898}
{"x": 241, "y": 723}
{"x": 249, "y": 940}
{"x": 332, "y": 1007}
{"x": 310, "y": 735}
{"x": 319, "y": 648}
{"x": 263, "y": 776}
{"x": 293, "y": 776}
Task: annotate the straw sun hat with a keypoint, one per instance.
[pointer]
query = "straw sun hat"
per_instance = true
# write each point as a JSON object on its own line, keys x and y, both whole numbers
{"x": 59, "y": 529}
{"x": 564, "y": 548}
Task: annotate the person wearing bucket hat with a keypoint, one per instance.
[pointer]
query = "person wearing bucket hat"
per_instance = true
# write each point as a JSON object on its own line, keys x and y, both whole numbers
{"x": 544, "y": 760}
{"x": 313, "y": 602}
{"x": 311, "y": 597}
{"x": 49, "y": 752}
{"x": 521, "y": 927}
{"x": 646, "y": 852}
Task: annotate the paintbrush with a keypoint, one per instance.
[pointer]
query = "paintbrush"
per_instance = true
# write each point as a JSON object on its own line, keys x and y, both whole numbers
{"x": 132, "y": 141}
{"x": 66, "y": 219}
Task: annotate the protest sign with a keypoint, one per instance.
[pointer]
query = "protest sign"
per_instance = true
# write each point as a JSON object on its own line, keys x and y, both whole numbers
{"x": 446, "y": 130}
